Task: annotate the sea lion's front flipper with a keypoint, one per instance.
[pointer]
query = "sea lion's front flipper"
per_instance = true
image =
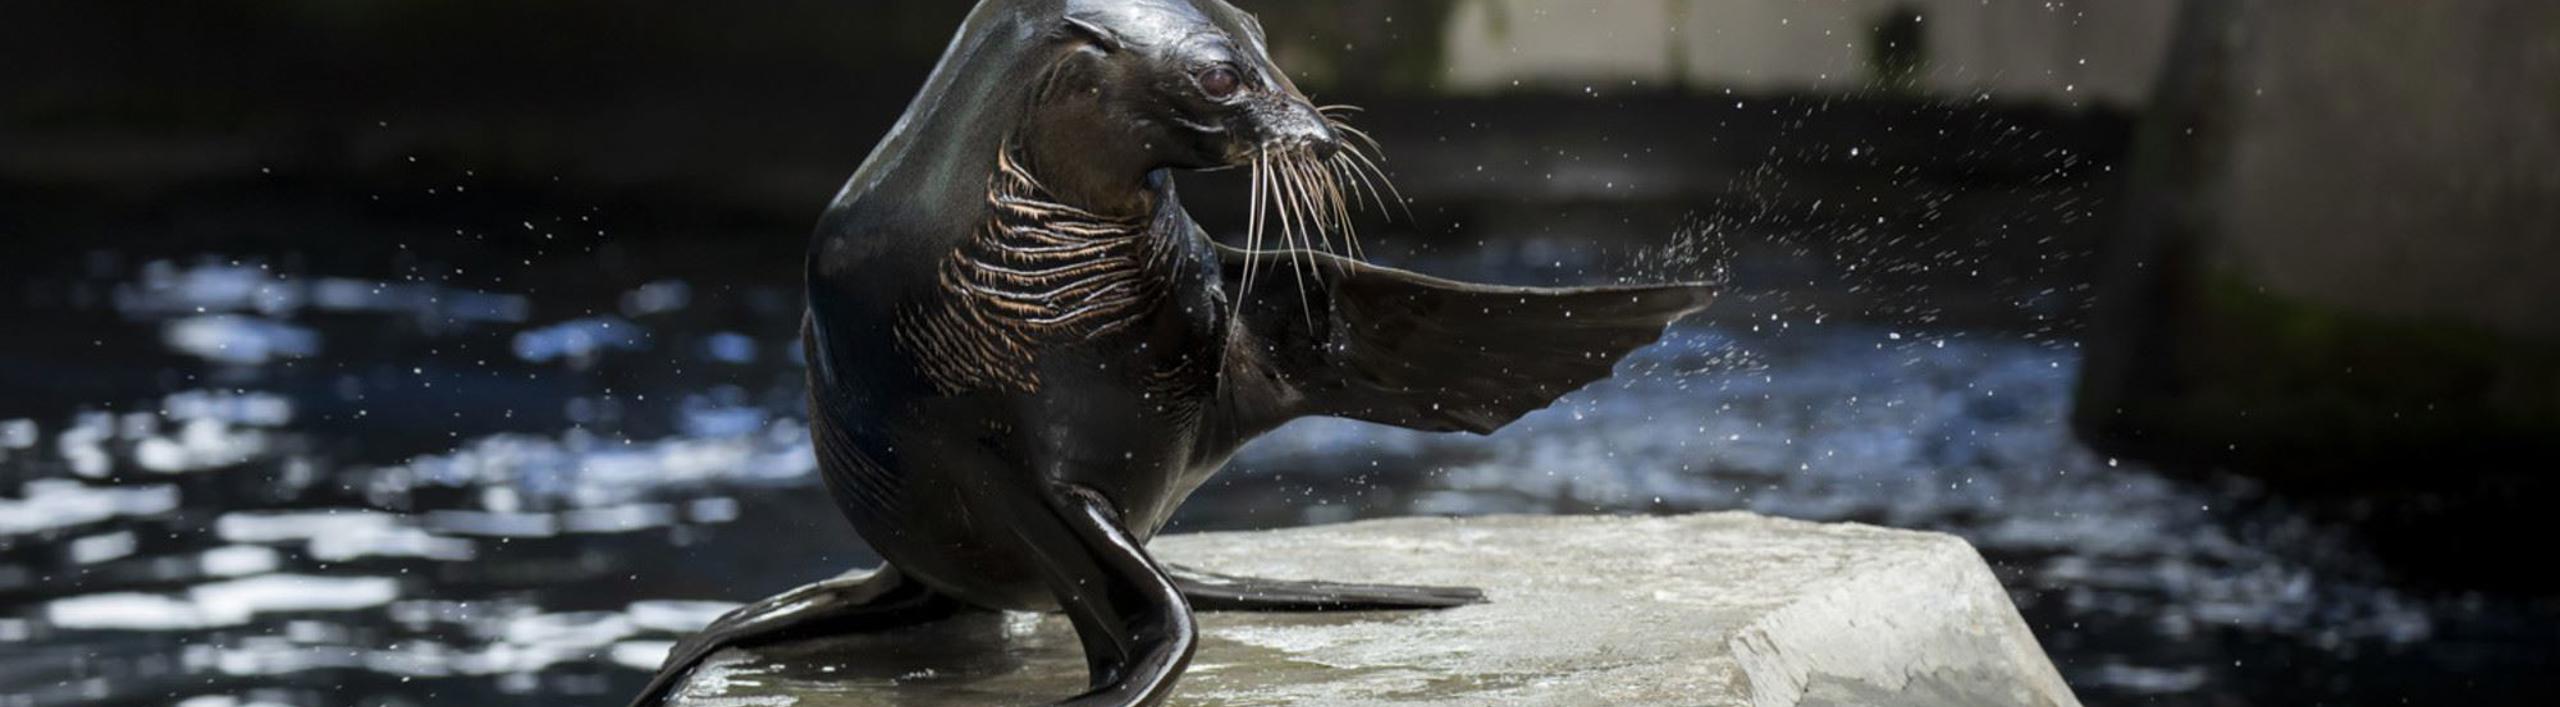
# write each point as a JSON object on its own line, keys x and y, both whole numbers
{"x": 853, "y": 603}
{"x": 1210, "y": 591}
{"x": 1405, "y": 349}
{"x": 1137, "y": 631}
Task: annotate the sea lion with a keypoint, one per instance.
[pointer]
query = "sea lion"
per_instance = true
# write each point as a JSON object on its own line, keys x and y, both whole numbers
{"x": 1023, "y": 353}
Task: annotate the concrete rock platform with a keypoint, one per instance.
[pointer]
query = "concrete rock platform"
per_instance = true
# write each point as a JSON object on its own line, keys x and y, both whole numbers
{"x": 1717, "y": 609}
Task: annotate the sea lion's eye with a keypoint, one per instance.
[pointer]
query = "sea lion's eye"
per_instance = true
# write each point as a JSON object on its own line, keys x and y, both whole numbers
{"x": 1220, "y": 82}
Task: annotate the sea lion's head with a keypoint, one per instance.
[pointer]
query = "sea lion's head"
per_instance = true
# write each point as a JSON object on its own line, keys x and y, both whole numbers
{"x": 1191, "y": 79}
{"x": 1189, "y": 84}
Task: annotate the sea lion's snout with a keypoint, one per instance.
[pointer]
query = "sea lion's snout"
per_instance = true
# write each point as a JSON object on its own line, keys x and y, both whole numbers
{"x": 1285, "y": 124}
{"x": 1320, "y": 137}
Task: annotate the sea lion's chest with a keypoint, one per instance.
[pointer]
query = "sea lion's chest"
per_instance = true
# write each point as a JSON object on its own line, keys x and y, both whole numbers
{"x": 1044, "y": 294}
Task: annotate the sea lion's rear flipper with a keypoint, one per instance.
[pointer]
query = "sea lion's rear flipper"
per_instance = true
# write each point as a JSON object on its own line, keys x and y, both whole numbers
{"x": 1210, "y": 591}
{"x": 853, "y": 603}
{"x": 1405, "y": 349}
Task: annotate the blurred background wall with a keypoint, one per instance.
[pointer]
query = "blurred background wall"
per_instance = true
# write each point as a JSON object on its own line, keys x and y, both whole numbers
{"x": 2097, "y": 53}
{"x": 2332, "y": 272}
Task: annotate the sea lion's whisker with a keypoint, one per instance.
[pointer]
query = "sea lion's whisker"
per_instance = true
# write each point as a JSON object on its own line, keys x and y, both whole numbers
{"x": 1253, "y": 227}
{"x": 1327, "y": 192}
{"x": 1308, "y": 204}
{"x": 1335, "y": 172}
{"x": 1369, "y": 159}
{"x": 1265, "y": 205}
{"x": 1281, "y": 210}
{"x": 1290, "y": 236}
{"x": 1350, "y": 164}
{"x": 1330, "y": 188}
{"x": 1319, "y": 236}
{"x": 1361, "y": 136}
{"x": 1281, "y": 213}
{"x": 1280, "y": 200}
{"x": 1334, "y": 164}
{"x": 1363, "y": 188}
{"x": 1373, "y": 168}
{"x": 1306, "y": 201}
{"x": 1361, "y": 141}
{"x": 1285, "y": 204}
{"x": 1310, "y": 197}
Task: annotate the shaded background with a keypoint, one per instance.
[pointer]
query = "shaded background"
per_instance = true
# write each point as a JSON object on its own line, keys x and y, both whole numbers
{"x": 391, "y": 352}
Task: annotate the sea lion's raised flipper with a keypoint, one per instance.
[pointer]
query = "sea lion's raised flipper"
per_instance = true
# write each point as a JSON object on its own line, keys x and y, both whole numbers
{"x": 853, "y": 603}
{"x": 1410, "y": 350}
{"x": 1210, "y": 591}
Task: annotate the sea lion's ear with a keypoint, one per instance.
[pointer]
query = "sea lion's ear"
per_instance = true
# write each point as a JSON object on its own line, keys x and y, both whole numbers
{"x": 1092, "y": 33}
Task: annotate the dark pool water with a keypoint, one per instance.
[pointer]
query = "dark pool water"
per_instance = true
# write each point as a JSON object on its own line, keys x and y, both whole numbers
{"x": 485, "y": 464}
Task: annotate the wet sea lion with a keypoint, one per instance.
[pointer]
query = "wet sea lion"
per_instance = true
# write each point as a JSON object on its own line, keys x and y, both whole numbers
{"x": 1023, "y": 354}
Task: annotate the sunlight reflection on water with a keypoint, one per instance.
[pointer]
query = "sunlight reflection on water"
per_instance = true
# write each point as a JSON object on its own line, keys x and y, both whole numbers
{"x": 211, "y": 533}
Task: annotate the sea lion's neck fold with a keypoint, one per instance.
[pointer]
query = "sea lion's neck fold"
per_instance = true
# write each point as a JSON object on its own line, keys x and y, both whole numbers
{"x": 1082, "y": 161}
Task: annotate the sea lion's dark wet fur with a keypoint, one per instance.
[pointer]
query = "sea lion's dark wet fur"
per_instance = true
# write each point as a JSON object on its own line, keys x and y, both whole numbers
{"x": 1023, "y": 354}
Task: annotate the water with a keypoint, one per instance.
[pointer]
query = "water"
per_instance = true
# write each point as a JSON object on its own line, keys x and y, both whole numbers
{"x": 403, "y": 491}
{"x": 418, "y": 436}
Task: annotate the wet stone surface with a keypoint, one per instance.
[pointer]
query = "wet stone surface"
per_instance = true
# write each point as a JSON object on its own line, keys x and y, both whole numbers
{"x": 1715, "y": 609}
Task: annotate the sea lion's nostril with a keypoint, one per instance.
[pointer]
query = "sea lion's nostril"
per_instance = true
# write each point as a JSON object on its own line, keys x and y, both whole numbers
{"x": 1315, "y": 133}
{"x": 1324, "y": 142}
